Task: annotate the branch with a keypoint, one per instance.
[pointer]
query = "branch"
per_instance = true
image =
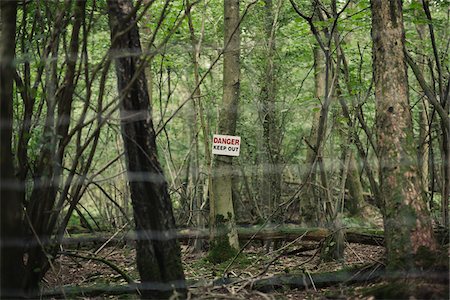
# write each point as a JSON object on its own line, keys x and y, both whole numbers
{"x": 426, "y": 88}
{"x": 102, "y": 260}
{"x": 191, "y": 96}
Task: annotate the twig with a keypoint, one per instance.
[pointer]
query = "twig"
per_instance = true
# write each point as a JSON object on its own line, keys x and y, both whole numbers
{"x": 312, "y": 281}
{"x": 110, "y": 239}
{"x": 266, "y": 268}
{"x": 354, "y": 252}
{"x": 105, "y": 261}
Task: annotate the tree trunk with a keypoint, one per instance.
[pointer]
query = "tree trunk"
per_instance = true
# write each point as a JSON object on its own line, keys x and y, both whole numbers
{"x": 271, "y": 177}
{"x": 355, "y": 189}
{"x": 408, "y": 231}
{"x": 11, "y": 263}
{"x": 222, "y": 211}
{"x": 44, "y": 208}
{"x": 197, "y": 114}
{"x": 310, "y": 211}
{"x": 157, "y": 251}
{"x": 424, "y": 128}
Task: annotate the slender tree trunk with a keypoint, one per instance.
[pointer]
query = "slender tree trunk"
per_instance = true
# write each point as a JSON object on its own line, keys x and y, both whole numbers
{"x": 408, "y": 231}
{"x": 43, "y": 209}
{"x": 198, "y": 114}
{"x": 351, "y": 174}
{"x": 271, "y": 175}
{"x": 444, "y": 107}
{"x": 310, "y": 212}
{"x": 11, "y": 250}
{"x": 355, "y": 189}
{"x": 222, "y": 212}
{"x": 424, "y": 129}
{"x": 445, "y": 171}
{"x": 145, "y": 40}
{"x": 157, "y": 251}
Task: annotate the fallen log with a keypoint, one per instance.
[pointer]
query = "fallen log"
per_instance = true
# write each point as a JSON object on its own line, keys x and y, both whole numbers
{"x": 66, "y": 292}
{"x": 290, "y": 233}
{"x": 368, "y": 273}
{"x": 287, "y": 233}
{"x": 319, "y": 280}
{"x": 102, "y": 290}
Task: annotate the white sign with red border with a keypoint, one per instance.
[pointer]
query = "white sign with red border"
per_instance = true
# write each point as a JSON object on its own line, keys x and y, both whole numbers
{"x": 226, "y": 145}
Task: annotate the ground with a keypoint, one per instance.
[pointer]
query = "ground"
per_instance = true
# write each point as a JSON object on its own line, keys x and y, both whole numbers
{"x": 254, "y": 263}
{"x": 258, "y": 260}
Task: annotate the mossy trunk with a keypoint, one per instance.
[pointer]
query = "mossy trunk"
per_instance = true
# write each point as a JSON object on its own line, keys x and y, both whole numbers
{"x": 221, "y": 205}
{"x": 354, "y": 186}
{"x": 221, "y": 249}
{"x": 334, "y": 245}
{"x": 224, "y": 223}
{"x": 407, "y": 223}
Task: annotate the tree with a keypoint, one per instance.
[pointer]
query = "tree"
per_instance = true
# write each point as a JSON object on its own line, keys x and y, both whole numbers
{"x": 199, "y": 194}
{"x": 311, "y": 212}
{"x": 326, "y": 81}
{"x": 222, "y": 220}
{"x": 424, "y": 128}
{"x": 272, "y": 137}
{"x": 408, "y": 231}
{"x": 437, "y": 91}
{"x": 11, "y": 262}
{"x": 40, "y": 191}
{"x": 157, "y": 251}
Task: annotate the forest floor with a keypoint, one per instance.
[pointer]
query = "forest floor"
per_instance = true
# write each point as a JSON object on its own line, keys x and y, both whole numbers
{"x": 254, "y": 263}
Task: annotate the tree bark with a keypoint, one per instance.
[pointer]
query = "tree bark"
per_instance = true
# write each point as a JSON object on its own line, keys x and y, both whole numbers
{"x": 424, "y": 128}
{"x": 196, "y": 115}
{"x": 271, "y": 175}
{"x": 310, "y": 211}
{"x": 355, "y": 189}
{"x": 222, "y": 211}
{"x": 11, "y": 263}
{"x": 408, "y": 231}
{"x": 157, "y": 251}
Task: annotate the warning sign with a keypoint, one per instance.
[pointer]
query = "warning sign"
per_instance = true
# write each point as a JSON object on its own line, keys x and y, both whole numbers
{"x": 226, "y": 145}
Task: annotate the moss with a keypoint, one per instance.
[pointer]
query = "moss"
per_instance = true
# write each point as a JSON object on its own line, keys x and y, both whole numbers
{"x": 220, "y": 249}
{"x": 361, "y": 224}
{"x": 242, "y": 261}
{"x": 74, "y": 225}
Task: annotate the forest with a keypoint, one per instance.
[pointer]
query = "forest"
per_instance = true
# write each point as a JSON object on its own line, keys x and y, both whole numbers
{"x": 234, "y": 149}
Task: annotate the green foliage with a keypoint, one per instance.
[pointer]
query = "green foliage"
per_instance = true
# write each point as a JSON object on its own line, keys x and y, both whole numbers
{"x": 357, "y": 222}
{"x": 173, "y": 81}
{"x": 242, "y": 261}
{"x": 74, "y": 225}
